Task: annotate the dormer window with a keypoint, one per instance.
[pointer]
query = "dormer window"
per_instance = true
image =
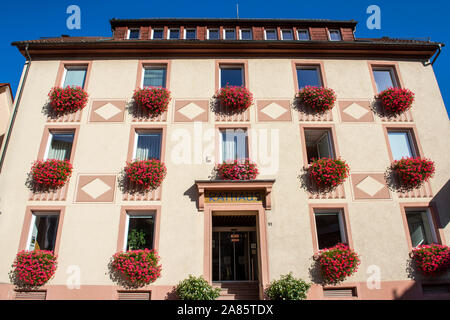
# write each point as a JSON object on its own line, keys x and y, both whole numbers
{"x": 245, "y": 34}
{"x": 335, "y": 34}
{"x": 229, "y": 34}
{"x": 190, "y": 34}
{"x": 157, "y": 34}
{"x": 286, "y": 34}
{"x": 270, "y": 34}
{"x": 213, "y": 34}
{"x": 303, "y": 34}
{"x": 174, "y": 33}
{"x": 133, "y": 33}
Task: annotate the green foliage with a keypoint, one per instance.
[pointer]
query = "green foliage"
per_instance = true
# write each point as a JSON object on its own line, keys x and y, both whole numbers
{"x": 136, "y": 240}
{"x": 288, "y": 288}
{"x": 194, "y": 288}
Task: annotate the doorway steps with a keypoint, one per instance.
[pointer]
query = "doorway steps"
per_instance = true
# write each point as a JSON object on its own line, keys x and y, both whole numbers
{"x": 238, "y": 290}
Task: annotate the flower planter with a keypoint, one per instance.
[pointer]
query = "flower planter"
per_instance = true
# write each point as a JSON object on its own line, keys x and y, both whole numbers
{"x": 413, "y": 172}
{"x": 431, "y": 259}
{"x": 238, "y": 170}
{"x": 154, "y": 100}
{"x": 137, "y": 267}
{"x": 34, "y": 268}
{"x": 328, "y": 173}
{"x": 234, "y": 98}
{"x": 50, "y": 174}
{"x": 147, "y": 174}
{"x": 67, "y": 100}
{"x": 318, "y": 99}
{"x": 337, "y": 263}
{"x": 396, "y": 100}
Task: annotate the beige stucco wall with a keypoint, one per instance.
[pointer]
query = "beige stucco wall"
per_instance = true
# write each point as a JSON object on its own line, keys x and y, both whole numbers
{"x": 90, "y": 231}
{"x": 6, "y": 103}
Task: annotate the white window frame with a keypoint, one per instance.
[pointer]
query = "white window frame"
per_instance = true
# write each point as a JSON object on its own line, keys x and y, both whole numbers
{"x": 50, "y": 138}
{"x": 270, "y": 29}
{"x": 137, "y": 214}
{"x": 246, "y": 29}
{"x": 224, "y": 33}
{"x": 430, "y": 222}
{"x": 63, "y": 78}
{"x": 292, "y": 33}
{"x": 129, "y": 32}
{"x": 159, "y": 29}
{"x": 207, "y": 33}
{"x": 144, "y": 131}
{"x": 232, "y": 66}
{"x": 155, "y": 66}
{"x": 307, "y": 32}
{"x": 221, "y": 131}
{"x": 329, "y": 34}
{"x": 329, "y": 140}
{"x": 185, "y": 31}
{"x": 33, "y": 221}
{"x": 342, "y": 226}
{"x": 169, "y": 32}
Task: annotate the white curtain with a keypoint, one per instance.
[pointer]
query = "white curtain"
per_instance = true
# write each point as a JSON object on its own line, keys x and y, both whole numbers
{"x": 155, "y": 77}
{"x": 60, "y": 147}
{"x": 234, "y": 144}
{"x": 148, "y": 146}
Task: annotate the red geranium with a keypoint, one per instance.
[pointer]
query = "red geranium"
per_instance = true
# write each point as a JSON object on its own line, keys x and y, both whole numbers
{"x": 137, "y": 267}
{"x": 319, "y": 99}
{"x": 235, "y": 98}
{"x": 238, "y": 170}
{"x": 34, "y": 268}
{"x": 153, "y": 99}
{"x": 396, "y": 100}
{"x": 328, "y": 173}
{"x": 338, "y": 263}
{"x": 146, "y": 173}
{"x": 413, "y": 172}
{"x": 68, "y": 99}
{"x": 432, "y": 258}
{"x": 51, "y": 173}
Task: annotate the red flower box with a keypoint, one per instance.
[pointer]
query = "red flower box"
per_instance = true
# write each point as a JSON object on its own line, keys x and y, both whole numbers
{"x": 67, "y": 100}
{"x": 432, "y": 259}
{"x": 238, "y": 170}
{"x": 319, "y": 99}
{"x": 33, "y": 268}
{"x": 51, "y": 173}
{"x": 412, "y": 172}
{"x": 396, "y": 100}
{"x": 137, "y": 267}
{"x": 155, "y": 100}
{"x": 235, "y": 98}
{"x": 148, "y": 174}
{"x": 338, "y": 263}
{"x": 328, "y": 173}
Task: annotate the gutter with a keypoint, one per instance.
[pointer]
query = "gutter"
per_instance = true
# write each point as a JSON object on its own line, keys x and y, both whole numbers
{"x": 436, "y": 56}
{"x": 16, "y": 107}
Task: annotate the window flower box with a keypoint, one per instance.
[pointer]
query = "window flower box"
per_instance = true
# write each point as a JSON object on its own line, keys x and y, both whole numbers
{"x": 68, "y": 99}
{"x": 136, "y": 268}
{"x": 154, "y": 100}
{"x": 431, "y": 259}
{"x": 234, "y": 98}
{"x": 147, "y": 174}
{"x": 396, "y": 100}
{"x": 318, "y": 99}
{"x": 33, "y": 268}
{"x": 328, "y": 173}
{"x": 337, "y": 263}
{"x": 413, "y": 172}
{"x": 238, "y": 170}
{"x": 50, "y": 174}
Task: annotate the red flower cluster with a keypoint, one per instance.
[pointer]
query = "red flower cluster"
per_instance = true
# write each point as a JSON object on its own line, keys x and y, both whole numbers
{"x": 396, "y": 100}
{"x": 51, "y": 173}
{"x": 328, "y": 173}
{"x": 153, "y": 99}
{"x": 238, "y": 170}
{"x": 319, "y": 99}
{"x": 138, "y": 267}
{"x": 235, "y": 98}
{"x": 68, "y": 99}
{"x": 413, "y": 172}
{"x": 338, "y": 262}
{"x": 34, "y": 268}
{"x": 432, "y": 258}
{"x": 146, "y": 173}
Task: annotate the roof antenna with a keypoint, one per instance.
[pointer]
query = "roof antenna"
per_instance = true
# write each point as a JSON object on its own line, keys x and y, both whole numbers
{"x": 237, "y": 10}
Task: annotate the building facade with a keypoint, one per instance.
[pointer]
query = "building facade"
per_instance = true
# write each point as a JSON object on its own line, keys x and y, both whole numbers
{"x": 6, "y": 103}
{"x": 240, "y": 235}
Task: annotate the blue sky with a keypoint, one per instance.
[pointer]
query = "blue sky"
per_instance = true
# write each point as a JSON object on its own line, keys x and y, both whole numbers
{"x": 27, "y": 19}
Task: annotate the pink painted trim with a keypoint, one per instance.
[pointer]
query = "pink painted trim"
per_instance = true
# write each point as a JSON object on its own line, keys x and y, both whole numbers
{"x": 315, "y": 126}
{"x": 231, "y": 62}
{"x": 387, "y": 64}
{"x": 97, "y": 104}
{"x": 145, "y": 63}
{"x": 220, "y": 127}
{"x": 308, "y": 63}
{"x": 84, "y": 180}
{"x": 406, "y": 127}
{"x": 150, "y": 127}
{"x": 368, "y": 117}
{"x": 358, "y": 194}
{"x": 52, "y": 128}
{"x": 70, "y": 63}
{"x": 262, "y": 117}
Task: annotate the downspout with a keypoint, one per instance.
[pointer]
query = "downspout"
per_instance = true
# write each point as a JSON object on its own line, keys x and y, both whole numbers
{"x": 16, "y": 107}
{"x": 435, "y": 57}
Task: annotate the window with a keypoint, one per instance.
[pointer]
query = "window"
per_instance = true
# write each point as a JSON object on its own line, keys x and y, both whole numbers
{"x": 147, "y": 145}
{"x": 271, "y": 34}
{"x": 231, "y": 75}
{"x": 229, "y": 34}
{"x": 401, "y": 143}
{"x": 308, "y": 76}
{"x": 384, "y": 78}
{"x": 330, "y": 228}
{"x": 190, "y": 34}
{"x": 303, "y": 34}
{"x": 174, "y": 33}
{"x": 318, "y": 144}
{"x": 286, "y": 34}
{"x": 139, "y": 230}
{"x": 234, "y": 144}
{"x": 74, "y": 76}
{"x": 246, "y": 34}
{"x": 44, "y": 227}
{"x": 59, "y": 145}
{"x": 133, "y": 33}
{"x": 157, "y": 34}
{"x": 154, "y": 76}
{"x": 420, "y": 227}
{"x": 335, "y": 35}
{"x": 213, "y": 34}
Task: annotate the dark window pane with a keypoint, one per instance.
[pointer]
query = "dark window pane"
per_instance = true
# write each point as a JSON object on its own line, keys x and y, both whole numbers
{"x": 148, "y": 146}
{"x": 231, "y": 76}
{"x": 308, "y": 77}
{"x": 190, "y": 34}
{"x": 271, "y": 35}
{"x": 140, "y": 233}
{"x": 230, "y": 34}
{"x": 44, "y": 232}
{"x": 328, "y": 230}
{"x": 158, "y": 34}
{"x": 155, "y": 77}
{"x": 134, "y": 34}
{"x": 213, "y": 34}
{"x": 383, "y": 79}
{"x": 335, "y": 35}
{"x": 174, "y": 34}
{"x": 287, "y": 35}
{"x": 419, "y": 228}
{"x": 303, "y": 35}
{"x": 246, "y": 34}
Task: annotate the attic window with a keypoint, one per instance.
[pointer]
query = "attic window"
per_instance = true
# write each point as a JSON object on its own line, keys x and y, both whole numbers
{"x": 335, "y": 35}
{"x": 157, "y": 33}
{"x": 133, "y": 33}
{"x": 303, "y": 34}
